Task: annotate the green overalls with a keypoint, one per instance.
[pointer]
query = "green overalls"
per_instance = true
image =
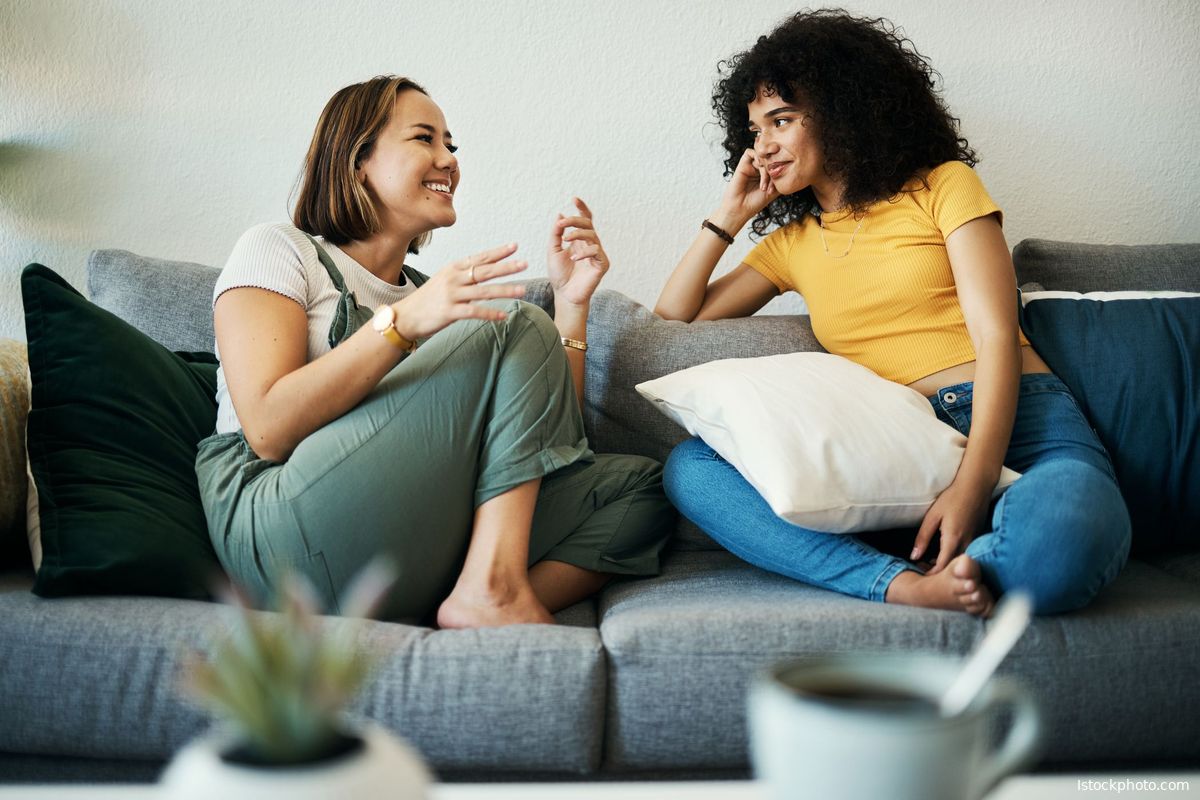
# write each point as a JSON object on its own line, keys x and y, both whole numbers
{"x": 477, "y": 409}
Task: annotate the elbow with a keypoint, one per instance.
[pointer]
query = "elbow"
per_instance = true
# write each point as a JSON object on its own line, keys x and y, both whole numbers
{"x": 666, "y": 312}
{"x": 267, "y": 444}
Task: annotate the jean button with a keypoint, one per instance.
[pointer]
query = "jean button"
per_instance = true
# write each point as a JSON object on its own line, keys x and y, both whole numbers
{"x": 949, "y": 398}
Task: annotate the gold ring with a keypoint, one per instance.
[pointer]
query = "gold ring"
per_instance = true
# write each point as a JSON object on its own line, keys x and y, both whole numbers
{"x": 471, "y": 274}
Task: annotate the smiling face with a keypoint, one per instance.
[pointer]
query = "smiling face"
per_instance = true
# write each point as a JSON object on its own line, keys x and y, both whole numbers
{"x": 787, "y": 145}
{"x": 411, "y": 172}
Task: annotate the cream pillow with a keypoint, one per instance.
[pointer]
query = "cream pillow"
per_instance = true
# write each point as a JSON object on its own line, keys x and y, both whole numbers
{"x": 829, "y": 444}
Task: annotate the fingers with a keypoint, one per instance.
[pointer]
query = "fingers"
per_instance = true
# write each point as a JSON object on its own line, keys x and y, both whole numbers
{"x": 487, "y": 257}
{"x": 929, "y": 527}
{"x": 582, "y": 251}
{"x": 580, "y": 235}
{"x": 583, "y": 208}
{"x": 945, "y": 554}
{"x": 584, "y": 223}
{"x": 471, "y": 294}
{"x": 748, "y": 163}
{"x": 488, "y": 272}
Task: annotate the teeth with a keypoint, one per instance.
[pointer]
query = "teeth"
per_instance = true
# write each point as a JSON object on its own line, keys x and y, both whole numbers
{"x": 438, "y": 187}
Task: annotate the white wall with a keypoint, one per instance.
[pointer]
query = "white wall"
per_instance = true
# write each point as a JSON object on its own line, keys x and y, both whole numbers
{"x": 167, "y": 128}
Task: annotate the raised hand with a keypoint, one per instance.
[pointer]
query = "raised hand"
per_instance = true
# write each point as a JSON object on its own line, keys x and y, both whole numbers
{"x": 749, "y": 190}
{"x": 576, "y": 261}
{"x": 452, "y": 293}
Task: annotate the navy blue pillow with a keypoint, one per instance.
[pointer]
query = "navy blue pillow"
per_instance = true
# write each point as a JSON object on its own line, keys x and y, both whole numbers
{"x": 1132, "y": 361}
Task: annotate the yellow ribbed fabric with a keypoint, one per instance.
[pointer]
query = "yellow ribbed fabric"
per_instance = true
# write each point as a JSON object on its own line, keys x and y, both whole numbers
{"x": 890, "y": 304}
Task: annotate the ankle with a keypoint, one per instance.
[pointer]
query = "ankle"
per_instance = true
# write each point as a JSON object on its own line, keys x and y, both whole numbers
{"x": 901, "y": 588}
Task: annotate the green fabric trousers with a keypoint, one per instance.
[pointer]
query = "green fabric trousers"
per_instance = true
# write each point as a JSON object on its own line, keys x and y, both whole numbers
{"x": 477, "y": 410}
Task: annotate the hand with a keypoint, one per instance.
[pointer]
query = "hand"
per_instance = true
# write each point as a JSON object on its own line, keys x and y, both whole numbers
{"x": 576, "y": 261}
{"x": 959, "y": 513}
{"x": 749, "y": 191}
{"x": 452, "y": 293}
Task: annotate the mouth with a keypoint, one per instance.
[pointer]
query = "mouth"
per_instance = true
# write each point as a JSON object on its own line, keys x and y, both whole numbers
{"x": 442, "y": 189}
{"x": 776, "y": 168}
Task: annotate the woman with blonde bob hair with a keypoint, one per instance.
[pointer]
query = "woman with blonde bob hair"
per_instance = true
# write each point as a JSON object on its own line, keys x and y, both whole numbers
{"x": 365, "y": 408}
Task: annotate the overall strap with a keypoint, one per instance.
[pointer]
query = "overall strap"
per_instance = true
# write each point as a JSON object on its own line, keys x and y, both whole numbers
{"x": 349, "y": 316}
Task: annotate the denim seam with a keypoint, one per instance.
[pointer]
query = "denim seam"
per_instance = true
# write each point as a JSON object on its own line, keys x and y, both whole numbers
{"x": 878, "y": 591}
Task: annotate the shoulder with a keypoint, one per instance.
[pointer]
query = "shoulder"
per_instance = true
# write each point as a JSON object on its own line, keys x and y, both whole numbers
{"x": 783, "y": 237}
{"x": 274, "y": 255}
{"x": 952, "y": 194}
{"x": 275, "y": 239}
{"x": 949, "y": 178}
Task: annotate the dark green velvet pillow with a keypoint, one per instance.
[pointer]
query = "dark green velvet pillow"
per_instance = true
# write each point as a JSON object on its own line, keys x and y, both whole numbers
{"x": 113, "y": 429}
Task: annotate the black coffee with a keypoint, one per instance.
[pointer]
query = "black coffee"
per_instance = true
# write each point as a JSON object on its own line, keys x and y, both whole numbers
{"x": 867, "y": 697}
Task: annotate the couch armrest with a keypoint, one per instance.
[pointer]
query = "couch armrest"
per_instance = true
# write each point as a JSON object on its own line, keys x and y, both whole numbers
{"x": 14, "y": 411}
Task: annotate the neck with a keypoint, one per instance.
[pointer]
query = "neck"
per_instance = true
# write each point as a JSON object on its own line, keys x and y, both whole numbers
{"x": 382, "y": 254}
{"x": 829, "y": 197}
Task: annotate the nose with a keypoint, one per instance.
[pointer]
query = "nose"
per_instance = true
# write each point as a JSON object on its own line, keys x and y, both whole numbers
{"x": 763, "y": 144}
{"x": 447, "y": 161}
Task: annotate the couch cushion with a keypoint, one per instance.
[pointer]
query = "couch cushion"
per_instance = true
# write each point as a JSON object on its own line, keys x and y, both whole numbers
{"x": 112, "y": 443}
{"x": 98, "y": 677}
{"x": 1113, "y": 681}
{"x": 169, "y": 301}
{"x": 1072, "y": 267}
{"x": 1132, "y": 360}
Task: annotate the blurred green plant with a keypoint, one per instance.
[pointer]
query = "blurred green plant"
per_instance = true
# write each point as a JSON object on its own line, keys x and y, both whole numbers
{"x": 281, "y": 680}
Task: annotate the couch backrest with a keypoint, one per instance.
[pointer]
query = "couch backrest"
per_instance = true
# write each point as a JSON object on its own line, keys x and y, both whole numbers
{"x": 1071, "y": 267}
{"x": 627, "y": 343}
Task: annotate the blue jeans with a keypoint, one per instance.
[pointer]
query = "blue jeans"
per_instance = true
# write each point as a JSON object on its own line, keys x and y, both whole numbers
{"x": 1061, "y": 532}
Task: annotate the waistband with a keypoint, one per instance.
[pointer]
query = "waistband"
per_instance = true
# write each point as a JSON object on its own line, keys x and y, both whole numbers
{"x": 1031, "y": 382}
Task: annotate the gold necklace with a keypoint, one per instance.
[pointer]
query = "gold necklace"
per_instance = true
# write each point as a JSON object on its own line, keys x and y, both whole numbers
{"x": 824, "y": 244}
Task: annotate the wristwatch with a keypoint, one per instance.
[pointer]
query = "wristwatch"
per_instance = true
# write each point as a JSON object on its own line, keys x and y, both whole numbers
{"x": 384, "y": 323}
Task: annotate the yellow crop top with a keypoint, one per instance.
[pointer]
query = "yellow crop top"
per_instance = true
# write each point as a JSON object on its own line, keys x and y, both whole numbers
{"x": 890, "y": 304}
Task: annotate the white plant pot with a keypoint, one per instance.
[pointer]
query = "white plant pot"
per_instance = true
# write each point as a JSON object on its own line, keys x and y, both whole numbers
{"x": 385, "y": 767}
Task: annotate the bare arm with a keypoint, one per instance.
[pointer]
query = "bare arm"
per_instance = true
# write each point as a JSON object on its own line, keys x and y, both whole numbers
{"x": 984, "y": 277}
{"x": 263, "y": 338}
{"x": 280, "y": 399}
{"x": 688, "y": 295}
{"x": 576, "y": 262}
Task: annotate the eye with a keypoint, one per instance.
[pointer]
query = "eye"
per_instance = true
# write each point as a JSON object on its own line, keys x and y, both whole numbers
{"x": 754, "y": 133}
{"x": 781, "y": 121}
{"x": 425, "y": 137}
{"x": 453, "y": 148}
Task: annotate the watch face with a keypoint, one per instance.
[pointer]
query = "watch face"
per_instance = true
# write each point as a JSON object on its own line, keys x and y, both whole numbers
{"x": 383, "y": 319}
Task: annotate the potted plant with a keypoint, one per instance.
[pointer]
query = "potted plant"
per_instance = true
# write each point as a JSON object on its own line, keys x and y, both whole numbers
{"x": 280, "y": 682}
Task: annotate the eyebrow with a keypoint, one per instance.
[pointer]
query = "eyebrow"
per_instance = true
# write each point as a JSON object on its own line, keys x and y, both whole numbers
{"x": 429, "y": 128}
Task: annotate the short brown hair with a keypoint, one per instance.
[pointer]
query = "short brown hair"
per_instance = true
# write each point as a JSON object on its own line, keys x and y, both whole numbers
{"x": 333, "y": 203}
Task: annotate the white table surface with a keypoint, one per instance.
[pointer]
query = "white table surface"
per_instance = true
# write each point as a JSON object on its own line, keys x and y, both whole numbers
{"x": 1037, "y": 787}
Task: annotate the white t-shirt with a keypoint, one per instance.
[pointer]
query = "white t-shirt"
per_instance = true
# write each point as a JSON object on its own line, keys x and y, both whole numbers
{"x": 279, "y": 257}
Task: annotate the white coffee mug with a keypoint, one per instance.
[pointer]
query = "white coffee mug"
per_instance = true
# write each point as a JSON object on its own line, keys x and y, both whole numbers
{"x": 867, "y": 726}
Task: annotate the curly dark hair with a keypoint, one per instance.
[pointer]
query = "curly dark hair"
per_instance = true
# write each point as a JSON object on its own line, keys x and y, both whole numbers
{"x": 871, "y": 95}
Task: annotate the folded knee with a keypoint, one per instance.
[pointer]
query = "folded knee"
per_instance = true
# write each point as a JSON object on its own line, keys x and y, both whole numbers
{"x": 1069, "y": 539}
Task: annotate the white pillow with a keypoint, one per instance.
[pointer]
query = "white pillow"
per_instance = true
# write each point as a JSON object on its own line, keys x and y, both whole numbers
{"x": 829, "y": 444}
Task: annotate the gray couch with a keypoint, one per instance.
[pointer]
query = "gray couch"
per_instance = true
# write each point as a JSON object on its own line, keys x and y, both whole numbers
{"x": 648, "y": 679}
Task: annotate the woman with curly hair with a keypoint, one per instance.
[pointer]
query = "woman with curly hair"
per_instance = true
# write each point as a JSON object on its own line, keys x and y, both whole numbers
{"x": 837, "y": 140}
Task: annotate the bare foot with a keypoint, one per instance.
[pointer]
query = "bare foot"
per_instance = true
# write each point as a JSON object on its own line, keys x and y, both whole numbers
{"x": 959, "y": 587}
{"x": 468, "y": 607}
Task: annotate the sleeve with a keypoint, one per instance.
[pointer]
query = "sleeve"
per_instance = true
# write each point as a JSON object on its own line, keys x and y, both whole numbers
{"x": 267, "y": 257}
{"x": 770, "y": 259}
{"x": 957, "y": 196}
